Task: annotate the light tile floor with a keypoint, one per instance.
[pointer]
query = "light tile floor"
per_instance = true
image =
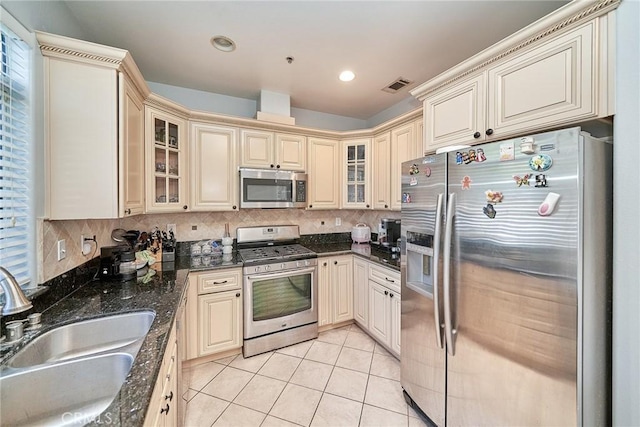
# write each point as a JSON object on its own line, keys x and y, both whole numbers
{"x": 342, "y": 378}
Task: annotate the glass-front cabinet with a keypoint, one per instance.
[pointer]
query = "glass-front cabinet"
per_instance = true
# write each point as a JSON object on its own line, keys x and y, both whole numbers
{"x": 166, "y": 162}
{"x": 356, "y": 175}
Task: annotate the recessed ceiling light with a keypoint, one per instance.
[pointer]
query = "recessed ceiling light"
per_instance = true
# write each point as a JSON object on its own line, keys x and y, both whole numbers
{"x": 347, "y": 76}
{"x": 223, "y": 43}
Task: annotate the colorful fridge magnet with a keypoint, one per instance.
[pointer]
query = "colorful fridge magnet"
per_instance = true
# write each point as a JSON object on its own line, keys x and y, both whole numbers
{"x": 493, "y": 196}
{"x": 465, "y": 158}
{"x": 489, "y": 211}
{"x": 406, "y": 198}
{"x": 522, "y": 181}
{"x": 549, "y": 204}
{"x": 458, "y": 158}
{"x": 480, "y": 157}
{"x": 541, "y": 180}
{"x": 413, "y": 181}
{"x": 506, "y": 151}
{"x": 413, "y": 170}
{"x": 540, "y": 163}
{"x": 472, "y": 156}
{"x": 427, "y": 171}
{"x": 466, "y": 183}
{"x": 527, "y": 145}
{"x": 429, "y": 159}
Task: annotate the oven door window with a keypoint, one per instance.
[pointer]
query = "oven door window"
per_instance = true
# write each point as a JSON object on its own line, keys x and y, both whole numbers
{"x": 267, "y": 190}
{"x": 282, "y": 296}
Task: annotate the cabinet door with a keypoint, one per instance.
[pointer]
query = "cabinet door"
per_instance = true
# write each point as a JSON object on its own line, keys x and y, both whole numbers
{"x": 213, "y": 168}
{"x": 291, "y": 152}
{"x": 455, "y": 115}
{"x": 219, "y": 322}
{"x": 379, "y": 313}
{"x": 256, "y": 149}
{"x": 361, "y": 291}
{"x": 324, "y": 293}
{"x": 381, "y": 177}
{"x": 395, "y": 306}
{"x": 403, "y": 147}
{"x": 166, "y": 162}
{"x": 131, "y": 149}
{"x": 356, "y": 174}
{"x": 549, "y": 85}
{"x": 342, "y": 288}
{"x": 324, "y": 174}
{"x": 420, "y": 136}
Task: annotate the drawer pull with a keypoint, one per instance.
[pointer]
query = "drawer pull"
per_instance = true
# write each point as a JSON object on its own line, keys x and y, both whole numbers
{"x": 391, "y": 295}
{"x": 386, "y": 292}
{"x": 165, "y": 410}
{"x": 220, "y": 283}
{"x": 389, "y": 280}
{"x": 169, "y": 396}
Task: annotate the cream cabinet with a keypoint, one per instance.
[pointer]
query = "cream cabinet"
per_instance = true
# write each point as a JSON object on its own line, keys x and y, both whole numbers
{"x": 214, "y": 312}
{"x": 384, "y": 307}
{"x": 93, "y": 127}
{"x": 404, "y": 146}
{"x": 261, "y": 149}
{"x": 324, "y": 176}
{"x": 381, "y": 176}
{"x": 213, "y": 167}
{"x": 166, "y": 165}
{"x": 356, "y": 174}
{"x": 552, "y": 83}
{"x": 361, "y": 291}
{"x": 335, "y": 293}
{"x": 165, "y": 399}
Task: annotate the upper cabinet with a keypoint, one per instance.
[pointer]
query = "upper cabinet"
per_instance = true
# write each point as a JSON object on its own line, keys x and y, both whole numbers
{"x": 356, "y": 173}
{"x": 213, "y": 167}
{"x": 324, "y": 174}
{"x": 166, "y": 169}
{"x": 556, "y": 72}
{"x": 381, "y": 176}
{"x": 93, "y": 130}
{"x": 268, "y": 150}
{"x": 404, "y": 146}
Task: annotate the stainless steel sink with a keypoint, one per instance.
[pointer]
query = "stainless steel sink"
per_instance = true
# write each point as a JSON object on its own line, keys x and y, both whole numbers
{"x": 121, "y": 332}
{"x": 69, "y": 393}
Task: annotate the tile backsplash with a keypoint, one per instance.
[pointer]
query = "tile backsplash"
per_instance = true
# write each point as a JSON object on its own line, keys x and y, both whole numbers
{"x": 208, "y": 225}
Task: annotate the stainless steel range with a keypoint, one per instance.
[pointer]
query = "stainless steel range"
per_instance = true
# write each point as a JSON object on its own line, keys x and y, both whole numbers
{"x": 280, "y": 288}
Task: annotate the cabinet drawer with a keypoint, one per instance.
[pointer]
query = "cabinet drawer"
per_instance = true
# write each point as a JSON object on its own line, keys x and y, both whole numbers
{"x": 386, "y": 277}
{"x": 226, "y": 280}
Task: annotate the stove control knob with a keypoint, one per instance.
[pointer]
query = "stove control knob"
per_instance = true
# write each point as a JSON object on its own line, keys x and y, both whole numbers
{"x": 307, "y": 263}
{"x": 257, "y": 269}
{"x": 283, "y": 266}
{"x": 267, "y": 268}
{"x": 298, "y": 264}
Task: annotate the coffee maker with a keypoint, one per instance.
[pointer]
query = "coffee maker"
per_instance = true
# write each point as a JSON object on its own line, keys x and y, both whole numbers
{"x": 389, "y": 233}
{"x": 117, "y": 263}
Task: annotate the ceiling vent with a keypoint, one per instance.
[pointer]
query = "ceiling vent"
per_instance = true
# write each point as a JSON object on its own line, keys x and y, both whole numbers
{"x": 396, "y": 85}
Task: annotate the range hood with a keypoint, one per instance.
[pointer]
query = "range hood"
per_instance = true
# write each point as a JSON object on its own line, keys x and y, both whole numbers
{"x": 275, "y": 107}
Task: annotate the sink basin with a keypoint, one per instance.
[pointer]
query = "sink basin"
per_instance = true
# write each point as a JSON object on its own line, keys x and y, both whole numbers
{"x": 120, "y": 332}
{"x": 69, "y": 393}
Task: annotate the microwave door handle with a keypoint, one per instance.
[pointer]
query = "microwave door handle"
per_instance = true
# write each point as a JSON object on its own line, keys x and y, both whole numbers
{"x": 450, "y": 332}
{"x": 288, "y": 273}
{"x": 436, "y": 272}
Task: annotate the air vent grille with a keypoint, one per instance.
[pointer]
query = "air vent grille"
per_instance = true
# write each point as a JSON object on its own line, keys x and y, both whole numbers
{"x": 396, "y": 85}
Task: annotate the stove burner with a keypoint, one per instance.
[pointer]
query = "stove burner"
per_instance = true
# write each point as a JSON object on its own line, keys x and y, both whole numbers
{"x": 274, "y": 253}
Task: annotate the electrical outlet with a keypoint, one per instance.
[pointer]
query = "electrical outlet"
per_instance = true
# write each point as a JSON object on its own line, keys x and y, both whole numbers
{"x": 338, "y": 222}
{"x": 171, "y": 228}
{"x": 62, "y": 249}
{"x": 82, "y": 243}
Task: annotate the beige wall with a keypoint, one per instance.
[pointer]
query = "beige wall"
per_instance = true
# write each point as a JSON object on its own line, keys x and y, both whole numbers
{"x": 210, "y": 225}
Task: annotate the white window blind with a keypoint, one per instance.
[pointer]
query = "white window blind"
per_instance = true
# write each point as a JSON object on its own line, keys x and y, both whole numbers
{"x": 16, "y": 217}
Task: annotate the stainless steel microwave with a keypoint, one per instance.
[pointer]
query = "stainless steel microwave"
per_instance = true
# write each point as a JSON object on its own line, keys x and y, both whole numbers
{"x": 263, "y": 188}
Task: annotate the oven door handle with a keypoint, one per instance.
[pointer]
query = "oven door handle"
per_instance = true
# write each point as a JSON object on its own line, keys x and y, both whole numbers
{"x": 286, "y": 273}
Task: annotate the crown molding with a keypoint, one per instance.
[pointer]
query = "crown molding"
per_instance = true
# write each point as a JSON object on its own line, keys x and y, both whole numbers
{"x": 568, "y": 16}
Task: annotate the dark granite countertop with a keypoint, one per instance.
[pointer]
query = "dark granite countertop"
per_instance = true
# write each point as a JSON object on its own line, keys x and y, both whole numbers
{"x": 368, "y": 251}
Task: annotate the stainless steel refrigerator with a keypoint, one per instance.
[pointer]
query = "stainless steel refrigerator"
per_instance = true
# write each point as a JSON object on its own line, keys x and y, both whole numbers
{"x": 506, "y": 282}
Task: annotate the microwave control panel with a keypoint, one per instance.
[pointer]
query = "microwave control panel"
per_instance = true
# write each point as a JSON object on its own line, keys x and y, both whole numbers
{"x": 301, "y": 191}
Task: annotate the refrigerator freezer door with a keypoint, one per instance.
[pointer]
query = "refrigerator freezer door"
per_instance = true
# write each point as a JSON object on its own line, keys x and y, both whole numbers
{"x": 423, "y": 355}
{"x": 514, "y": 276}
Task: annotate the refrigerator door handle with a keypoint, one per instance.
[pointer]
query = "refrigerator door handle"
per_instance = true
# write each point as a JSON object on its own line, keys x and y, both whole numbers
{"x": 450, "y": 332}
{"x": 436, "y": 272}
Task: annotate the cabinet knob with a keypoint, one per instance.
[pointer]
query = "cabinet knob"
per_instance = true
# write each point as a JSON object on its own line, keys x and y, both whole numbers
{"x": 310, "y": 206}
{"x": 391, "y": 295}
{"x": 335, "y": 262}
{"x": 367, "y": 206}
{"x": 169, "y": 396}
{"x": 476, "y": 135}
{"x": 185, "y": 207}
{"x": 386, "y": 292}
{"x": 127, "y": 211}
{"x": 489, "y": 132}
{"x": 238, "y": 295}
{"x": 278, "y": 166}
{"x": 386, "y": 206}
{"x": 233, "y": 207}
{"x": 324, "y": 264}
{"x": 165, "y": 410}
{"x": 272, "y": 166}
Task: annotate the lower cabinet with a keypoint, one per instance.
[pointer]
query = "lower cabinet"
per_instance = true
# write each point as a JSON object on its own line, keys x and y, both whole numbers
{"x": 361, "y": 291}
{"x": 214, "y": 312}
{"x": 384, "y": 307}
{"x": 163, "y": 406}
{"x": 335, "y": 290}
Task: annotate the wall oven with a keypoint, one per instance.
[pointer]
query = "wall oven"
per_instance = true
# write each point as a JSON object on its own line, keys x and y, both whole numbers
{"x": 263, "y": 188}
{"x": 280, "y": 282}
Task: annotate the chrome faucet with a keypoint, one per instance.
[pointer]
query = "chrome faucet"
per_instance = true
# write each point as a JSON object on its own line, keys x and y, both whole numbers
{"x": 14, "y": 302}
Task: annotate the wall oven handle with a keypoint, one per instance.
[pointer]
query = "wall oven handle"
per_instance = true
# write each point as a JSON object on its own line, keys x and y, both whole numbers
{"x": 436, "y": 272}
{"x": 286, "y": 273}
{"x": 448, "y": 315}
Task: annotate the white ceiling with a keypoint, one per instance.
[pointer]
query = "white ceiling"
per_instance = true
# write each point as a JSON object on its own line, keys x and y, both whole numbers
{"x": 378, "y": 40}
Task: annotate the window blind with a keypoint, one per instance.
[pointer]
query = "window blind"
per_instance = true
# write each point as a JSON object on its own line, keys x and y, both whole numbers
{"x": 16, "y": 218}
